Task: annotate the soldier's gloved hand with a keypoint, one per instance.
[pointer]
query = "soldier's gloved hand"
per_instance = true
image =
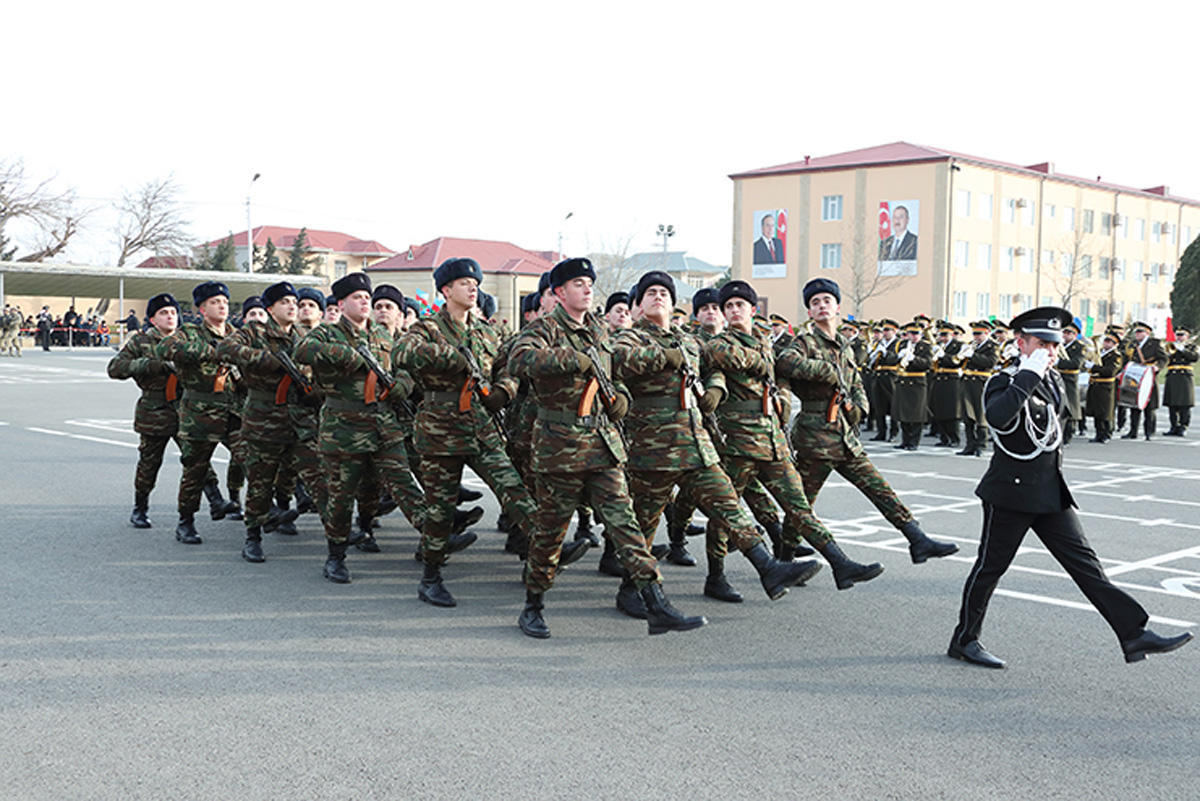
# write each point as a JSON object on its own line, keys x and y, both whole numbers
{"x": 585, "y": 363}
{"x": 826, "y": 372}
{"x": 710, "y": 400}
{"x": 453, "y": 360}
{"x": 758, "y": 367}
{"x": 854, "y": 416}
{"x": 1038, "y": 362}
{"x": 618, "y": 408}
{"x": 496, "y": 400}
{"x": 674, "y": 357}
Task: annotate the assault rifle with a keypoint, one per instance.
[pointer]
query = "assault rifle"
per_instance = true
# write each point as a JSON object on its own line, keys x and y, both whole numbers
{"x": 608, "y": 392}
{"x": 480, "y": 387}
{"x": 691, "y": 381}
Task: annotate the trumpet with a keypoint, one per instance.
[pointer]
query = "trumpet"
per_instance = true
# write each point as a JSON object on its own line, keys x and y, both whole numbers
{"x": 1010, "y": 352}
{"x": 966, "y": 351}
{"x": 1171, "y": 348}
{"x": 938, "y": 352}
{"x": 907, "y": 355}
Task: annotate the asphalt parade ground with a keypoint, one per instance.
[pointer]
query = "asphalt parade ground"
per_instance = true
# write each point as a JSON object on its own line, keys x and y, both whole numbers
{"x": 135, "y": 667}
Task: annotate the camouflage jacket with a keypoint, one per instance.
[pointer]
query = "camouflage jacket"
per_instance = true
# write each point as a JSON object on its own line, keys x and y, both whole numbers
{"x": 429, "y": 350}
{"x": 816, "y": 367}
{"x": 306, "y": 418}
{"x": 353, "y": 419}
{"x": 521, "y": 413}
{"x": 663, "y": 418}
{"x": 749, "y": 413}
{"x": 566, "y": 436}
{"x": 209, "y": 383}
{"x": 270, "y": 391}
{"x": 157, "y": 411}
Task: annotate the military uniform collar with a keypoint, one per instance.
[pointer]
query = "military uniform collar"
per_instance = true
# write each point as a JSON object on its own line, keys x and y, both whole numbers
{"x": 654, "y": 328}
{"x": 456, "y": 326}
{"x": 560, "y": 314}
{"x": 351, "y": 329}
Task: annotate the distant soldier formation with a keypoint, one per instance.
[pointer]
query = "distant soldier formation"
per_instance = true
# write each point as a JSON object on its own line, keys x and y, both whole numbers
{"x": 623, "y": 410}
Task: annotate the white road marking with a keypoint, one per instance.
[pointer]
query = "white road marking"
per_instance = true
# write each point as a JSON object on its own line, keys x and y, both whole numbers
{"x": 81, "y": 436}
{"x": 1154, "y": 561}
{"x": 1042, "y": 599}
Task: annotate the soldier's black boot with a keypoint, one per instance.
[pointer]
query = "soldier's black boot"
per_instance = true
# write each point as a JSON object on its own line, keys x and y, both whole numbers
{"x": 531, "y": 621}
{"x": 716, "y": 585}
{"x": 847, "y": 572}
{"x": 678, "y": 554}
{"x": 778, "y": 577}
{"x": 466, "y": 495}
{"x": 775, "y": 530}
{"x": 304, "y": 502}
{"x": 661, "y": 617}
{"x": 609, "y": 564}
{"x": 287, "y": 515}
{"x": 969, "y": 435}
{"x": 517, "y": 543}
{"x": 216, "y": 501}
{"x": 335, "y": 564}
{"x": 1135, "y": 419}
{"x": 387, "y": 505}
{"x": 1082, "y": 427}
{"x": 185, "y": 532}
{"x": 465, "y": 518}
{"x": 583, "y": 530}
{"x": 233, "y": 506}
{"x": 921, "y": 547}
{"x": 629, "y": 600}
{"x": 141, "y": 506}
{"x": 461, "y": 541}
{"x": 952, "y": 433}
{"x": 503, "y": 524}
{"x": 431, "y": 590}
{"x": 573, "y": 551}
{"x": 252, "y": 551}
{"x": 365, "y": 542}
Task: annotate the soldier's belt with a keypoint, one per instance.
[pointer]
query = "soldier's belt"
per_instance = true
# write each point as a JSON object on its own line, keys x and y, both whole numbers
{"x": 207, "y": 397}
{"x": 657, "y": 402}
{"x": 977, "y": 373}
{"x": 743, "y": 406}
{"x": 887, "y": 368}
{"x": 571, "y": 419}
{"x": 945, "y": 370}
{"x": 814, "y": 405}
{"x": 1068, "y": 372}
{"x": 155, "y": 395}
{"x": 350, "y": 405}
{"x": 441, "y": 396}
{"x": 1095, "y": 380}
{"x": 1183, "y": 368}
{"x": 264, "y": 396}
{"x": 911, "y": 375}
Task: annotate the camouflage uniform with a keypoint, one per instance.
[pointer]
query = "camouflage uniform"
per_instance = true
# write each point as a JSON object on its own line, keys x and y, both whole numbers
{"x": 448, "y": 436}
{"x": 576, "y": 458}
{"x": 811, "y": 367}
{"x": 358, "y": 428}
{"x": 207, "y": 413}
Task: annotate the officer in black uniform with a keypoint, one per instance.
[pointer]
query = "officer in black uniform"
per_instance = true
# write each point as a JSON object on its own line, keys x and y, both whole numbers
{"x": 1024, "y": 488}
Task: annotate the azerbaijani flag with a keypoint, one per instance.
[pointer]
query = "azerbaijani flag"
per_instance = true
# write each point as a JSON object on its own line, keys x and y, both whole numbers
{"x": 885, "y": 220}
{"x": 781, "y": 231}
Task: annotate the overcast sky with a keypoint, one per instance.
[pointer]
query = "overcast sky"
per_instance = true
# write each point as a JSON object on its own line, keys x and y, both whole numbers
{"x": 495, "y": 120}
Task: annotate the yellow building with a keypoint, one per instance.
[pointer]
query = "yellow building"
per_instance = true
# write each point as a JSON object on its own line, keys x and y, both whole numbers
{"x": 906, "y": 229}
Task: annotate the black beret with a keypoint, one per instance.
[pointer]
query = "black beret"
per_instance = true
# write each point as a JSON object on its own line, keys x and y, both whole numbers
{"x": 277, "y": 292}
{"x": 387, "y": 292}
{"x": 160, "y": 302}
{"x": 486, "y": 304}
{"x": 544, "y": 281}
{"x": 252, "y": 302}
{"x": 354, "y": 282}
{"x": 819, "y": 285}
{"x": 702, "y": 298}
{"x": 209, "y": 289}
{"x": 308, "y": 293}
{"x": 409, "y": 303}
{"x": 737, "y": 289}
{"x": 614, "y": 299}
{"x": 569, "y": 269}
{"x": 453, "y": 269}
{"x": 655, "y": 278}
{"x": 633, "y": 295}
{"x": 1045, "y": 322}
{"x": 529, "y": 303}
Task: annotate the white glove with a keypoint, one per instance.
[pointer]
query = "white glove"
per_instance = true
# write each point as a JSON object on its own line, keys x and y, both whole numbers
{"x": 1038, "y": 361}
{"x": 1089, "y": 364}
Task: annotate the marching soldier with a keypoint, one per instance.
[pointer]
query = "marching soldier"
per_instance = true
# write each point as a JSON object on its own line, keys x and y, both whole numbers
{"x": 1145, "y": 349}
{"x": 945, "y": 390}
{"x": 908, "y": 398}
{"x": 578, "y": 453}
{"x": 207, "y": 411}
{"x": 1102, "y": 389}
{"x": 755, "y": 445}
{"x": 1068, "y": 366}
{"x": 616, "y": 312}
{"x": 885, "y": 360}
{"x": 1179, "y": 390}
{"x": 1024, "y": 488}
{"x": 819, "y": 368}
{"x": 979, "y": 358}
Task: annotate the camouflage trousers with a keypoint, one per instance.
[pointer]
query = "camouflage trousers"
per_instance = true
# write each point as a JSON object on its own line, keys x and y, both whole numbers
{"x": 860, "y": 472}
{"x": 442, "y": 476}
{"x": 344, "y": 474}
{"x": 785, "y": 485}
{"x": 266, "y": 462}
{"x": 195, "y": 456}
{"x": 150, "y": 459}
{"x": 760, "y": 503}
{"x": 605, "y": 491}
{"x": 713, "y": 493}
{"x": 370, "y": 491}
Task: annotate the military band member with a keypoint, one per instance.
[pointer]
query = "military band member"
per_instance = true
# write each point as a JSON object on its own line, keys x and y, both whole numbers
{"x": 1124, "y": 341}
{"x": 909, "y": 405}
{"x": 578, "y": 454}
{"x": 1068, "y": 365}
{"x": 885, "y": 361}
{"x": 871, "y": 354}
{"x": 207, "y": 411}
{"x": 781, "y": 336}
{"x": 945, "y": 384}
{"x": 755, "y": 445}
{"x": 979, "y": 357}
{"x": 1024, "y": 488}
{"x": 1102, "y": 388}
{"x": 1179, "y": 390}
{"x": 1145, "y": 349}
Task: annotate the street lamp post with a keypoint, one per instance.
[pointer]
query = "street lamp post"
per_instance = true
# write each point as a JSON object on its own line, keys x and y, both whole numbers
{"x": 570, "y": 214}
{"x": 666, "y": 232}
{"x": 250, "y": 227}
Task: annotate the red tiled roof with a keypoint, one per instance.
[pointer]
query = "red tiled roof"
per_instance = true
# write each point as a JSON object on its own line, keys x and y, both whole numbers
{"x": 166, "y": 263}
{"x": 493, "y": 257}
{"x": 906, "y": 153}
{"x": 284, "y": 238}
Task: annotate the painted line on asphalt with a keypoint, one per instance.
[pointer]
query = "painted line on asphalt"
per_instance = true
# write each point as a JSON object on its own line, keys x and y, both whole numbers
{"x": 1025, "y": 596}
{"x": 1154, "y": 561}
{"x": 81, "y": 436}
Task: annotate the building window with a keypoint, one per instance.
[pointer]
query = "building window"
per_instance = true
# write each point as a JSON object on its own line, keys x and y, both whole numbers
{"x": 1137, "y": 311}
{"x": 831, "y": 208}
{"x": 963, "y": 202}
{"x": 339, "y": 270}
{"x": 1105, "y": 263}
{"x": 1068, "y": 218}
{"x": 1089, "y": 221}
{"x": 1116, "y": 266}
{"x": 1174, "y": 231}
{"x": 1138, "y": 273}
{"x": 1156, "y": 231}
{"x": 1047, "y": 258}
{"x": 1105, "y": 223}
{"x": 1050, "y": 211}
{"x": 1123, "y": 224}
{"x": 1026, "y": 302}
{"x": 1004, "y": 306}
{"x": 1010, "y": 210}
{"x": 1118, "y": 310}
{"x": 1139, "y": 225}
{"x": 1085, "y": 266}
{"x": 1047, "y": 300}
{"x": 831, "y": 256}
{"x": 1102, "y": 310}
{"x": 1187, "y": 234}
{"x": 1010, "y": 259}
{"x": 985, "y": 207}
{"x": 985, "y": 257}
{"x": 1067, "y": 264}
{"x": 1085, "y": 308}
{"x": 960, "y": 304}
{"x": 1030, "y": 212}
{"x": 961, "y": 251}
{"x": 1154, "y": 268}
{"x": 983, "y": 304}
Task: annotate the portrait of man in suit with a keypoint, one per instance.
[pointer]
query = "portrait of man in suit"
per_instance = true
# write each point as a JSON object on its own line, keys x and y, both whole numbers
{"x": 768, "y": 248}
{"x": 902, "y": 244}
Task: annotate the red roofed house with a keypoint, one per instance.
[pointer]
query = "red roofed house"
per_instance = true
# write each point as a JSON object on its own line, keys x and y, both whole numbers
{"x": 336, "y": 253}
{"x": 905, "y": 229}
{"x": 508, "y": 271}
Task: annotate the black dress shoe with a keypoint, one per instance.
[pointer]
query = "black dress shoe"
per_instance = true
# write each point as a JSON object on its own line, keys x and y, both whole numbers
{"x": 974, "y": 653}
{"x": 1150, "y": 643}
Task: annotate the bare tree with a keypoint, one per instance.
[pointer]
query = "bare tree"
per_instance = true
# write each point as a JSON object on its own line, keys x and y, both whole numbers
{"x": 53, "y": 215}
{"x": 1067, "y": 275}
{"x": 615, "y": 270}
{"x": 866, "y": 281}
{"x": 150, "y": 218}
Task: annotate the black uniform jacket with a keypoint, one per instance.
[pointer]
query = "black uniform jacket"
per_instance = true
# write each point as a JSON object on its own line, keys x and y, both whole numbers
{"x": 1035, "y": 485}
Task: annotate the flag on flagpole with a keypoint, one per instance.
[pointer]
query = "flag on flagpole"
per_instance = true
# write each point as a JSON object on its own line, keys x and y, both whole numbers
{"x": 1170, "y": 330}
{"x": 781, "y": 232}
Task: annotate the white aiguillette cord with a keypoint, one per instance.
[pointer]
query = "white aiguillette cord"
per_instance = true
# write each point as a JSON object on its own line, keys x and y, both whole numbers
{"x": 1043, "y": 441}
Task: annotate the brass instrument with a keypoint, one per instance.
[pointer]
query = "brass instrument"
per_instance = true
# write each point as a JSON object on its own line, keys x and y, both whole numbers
{"x": 907, "y": 355}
